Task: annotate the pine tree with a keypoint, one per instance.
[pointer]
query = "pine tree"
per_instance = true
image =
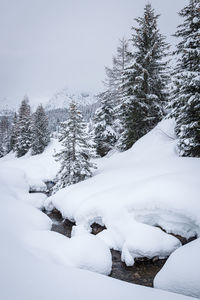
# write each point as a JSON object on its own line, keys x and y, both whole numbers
{"x": 104, "y": 133}
{"x": 144, "y": 80}
{"x": 75, "y": 153}
{"x": 40, "y": 132}
{"x": 107, "y": 125}
{"x": 24, "y": 137}
{"x": 4, "y": 136}
{"x": 114, "y": 75}
{"x": 14, "y": 133}
{"x": 185, "y": 102}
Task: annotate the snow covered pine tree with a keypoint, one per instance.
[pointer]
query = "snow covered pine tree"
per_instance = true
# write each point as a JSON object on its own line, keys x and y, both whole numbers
{"x": 75, "y": 153}
{"x": 144, "y": 81}
{"x": 14, "y": 133}
{"x": 40, "y": 131}
{"x": 186, "y": 93}
{"x": 4, "y": 136}
{"x": 104, "y": 133}
{"x": 24, "y": 138}
{"x": 106, "y": 120}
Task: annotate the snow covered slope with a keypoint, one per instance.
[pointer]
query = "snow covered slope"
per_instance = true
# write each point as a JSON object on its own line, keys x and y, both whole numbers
{"x": 63, "y": 98}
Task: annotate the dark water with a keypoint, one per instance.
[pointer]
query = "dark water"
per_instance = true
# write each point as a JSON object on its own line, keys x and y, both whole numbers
{"x": 143, "y": 272}
{"x": 59, "y": 224}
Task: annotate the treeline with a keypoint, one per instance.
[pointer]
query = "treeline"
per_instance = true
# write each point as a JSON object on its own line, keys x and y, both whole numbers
{"x": 29, "y": 131}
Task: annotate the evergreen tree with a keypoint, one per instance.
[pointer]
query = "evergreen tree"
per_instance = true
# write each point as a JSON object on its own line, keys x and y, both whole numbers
{"x": 144, "y": 80}
{"x": 104, "y": 133}
{"x": 75, "y": 153}
{"x": 40, "y": 132}
{"x": 185, "y": 102}
{"x": 14, "y": 133}
{"x": 24, "y": 137}
{"x": 4, "y": 136}
{"x": 106, "y": 120}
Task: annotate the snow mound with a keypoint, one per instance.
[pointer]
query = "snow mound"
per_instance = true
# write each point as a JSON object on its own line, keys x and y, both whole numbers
{"x": 148, "y": 184}
{"x": 84, "y": 252}
{"x": 181, "y": 273}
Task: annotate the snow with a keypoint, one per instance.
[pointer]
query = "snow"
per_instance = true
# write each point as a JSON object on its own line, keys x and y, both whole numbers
{"x": 38, "y": 168}
{"x": 84, "y": 252}
{"x": 181, "y": 273}
{"x": 39, "y": 264}
{"x": 134, "y": 191}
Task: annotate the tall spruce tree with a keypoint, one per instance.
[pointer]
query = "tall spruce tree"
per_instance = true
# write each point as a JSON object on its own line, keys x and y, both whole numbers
{"x": 185, "y": 102}
{"x": 4, "y": 136}
{"x": 40, "y": 131}
{"x": 14, "y": 133}
{"x": 104, "y": 133}
{"x": 24, "y": 134}
{"x": 107, "y": 119}
{"x": 144, "y": 80}
{"x": 75, "y": 153}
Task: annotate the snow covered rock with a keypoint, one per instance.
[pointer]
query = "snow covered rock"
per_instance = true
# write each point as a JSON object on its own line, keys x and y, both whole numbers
{"x": 181, "y": 273}
{"x": 83, "y": 251}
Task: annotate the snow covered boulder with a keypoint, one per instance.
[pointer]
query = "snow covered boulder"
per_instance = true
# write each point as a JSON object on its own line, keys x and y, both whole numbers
{"x": 82, "y": 251}
{"x": 148, "y": 241}
{"x": 90, "y": 252}
{"x": 181, "y": 273}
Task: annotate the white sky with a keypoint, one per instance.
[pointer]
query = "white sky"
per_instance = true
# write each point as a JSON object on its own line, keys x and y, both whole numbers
{"x": 47, "y": 45}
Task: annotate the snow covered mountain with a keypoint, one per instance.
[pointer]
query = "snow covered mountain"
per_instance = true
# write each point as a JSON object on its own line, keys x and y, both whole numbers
{"x": 62, "y": 99}
{"x": 5, "y": 108}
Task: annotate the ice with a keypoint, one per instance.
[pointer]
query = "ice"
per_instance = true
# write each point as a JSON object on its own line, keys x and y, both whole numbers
{"x": 181, "y": 273}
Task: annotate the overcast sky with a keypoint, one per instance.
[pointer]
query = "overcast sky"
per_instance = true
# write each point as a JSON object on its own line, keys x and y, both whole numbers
{"x": 47, "y": 45}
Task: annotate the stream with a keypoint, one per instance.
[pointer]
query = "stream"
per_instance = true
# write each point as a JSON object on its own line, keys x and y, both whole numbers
{"x": 143, "y": 271}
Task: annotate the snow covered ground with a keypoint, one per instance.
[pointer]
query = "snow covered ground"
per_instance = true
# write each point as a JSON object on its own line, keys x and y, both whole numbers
{"x": 130, "y": 194}
{"x": 39, "y": 264}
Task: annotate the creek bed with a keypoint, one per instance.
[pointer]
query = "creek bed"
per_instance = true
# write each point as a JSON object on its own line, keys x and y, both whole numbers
{"x": 143, "y": 271}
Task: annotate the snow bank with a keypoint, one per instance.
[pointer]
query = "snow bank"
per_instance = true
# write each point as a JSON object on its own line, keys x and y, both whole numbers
{"x": 181, "y": 273}
{"x": 148, "y": 184}
{"x": 38, "y": 168}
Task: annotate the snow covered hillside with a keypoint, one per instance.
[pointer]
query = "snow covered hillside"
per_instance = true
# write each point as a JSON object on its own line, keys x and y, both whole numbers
{"x": 37, "y": 263}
